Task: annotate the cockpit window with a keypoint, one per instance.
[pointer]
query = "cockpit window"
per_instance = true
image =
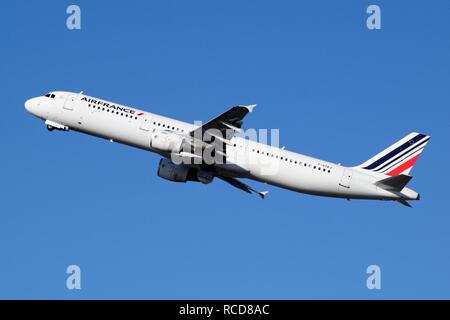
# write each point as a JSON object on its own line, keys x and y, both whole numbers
{"x": 50, "y": 95}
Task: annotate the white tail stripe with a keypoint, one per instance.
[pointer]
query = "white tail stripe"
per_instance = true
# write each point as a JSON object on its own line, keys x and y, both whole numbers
{"x": 399, "y": 157}
{"x": 403, "y": 160}
{"x": 416, "y": 146}
{"x": 389, "y": 149}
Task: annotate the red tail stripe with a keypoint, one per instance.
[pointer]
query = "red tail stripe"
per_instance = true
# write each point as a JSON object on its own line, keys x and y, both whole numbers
{"x": 404, "y": 166}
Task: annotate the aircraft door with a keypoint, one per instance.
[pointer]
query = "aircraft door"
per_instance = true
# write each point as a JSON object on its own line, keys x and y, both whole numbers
{"x": 346, "y": 178}
{"x": 145, "y": 123}
{"x": 70, "y": 102}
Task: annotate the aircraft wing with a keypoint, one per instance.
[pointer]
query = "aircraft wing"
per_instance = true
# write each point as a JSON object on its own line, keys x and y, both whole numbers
{"x": 240, "y": 185}
{"x": 227, "y": 123}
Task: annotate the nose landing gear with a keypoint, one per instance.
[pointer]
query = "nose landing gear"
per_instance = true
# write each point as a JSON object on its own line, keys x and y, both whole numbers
{"x": 51, "y": 125}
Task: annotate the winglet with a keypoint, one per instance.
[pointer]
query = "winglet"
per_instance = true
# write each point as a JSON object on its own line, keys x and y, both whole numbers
{"x": 263, "y": 194}
{"x": 250, "y": 107}
{"x": 405, "y": 203}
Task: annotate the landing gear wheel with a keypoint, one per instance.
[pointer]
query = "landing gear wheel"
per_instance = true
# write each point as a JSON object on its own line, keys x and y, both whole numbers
{"x": 50, "y": 128}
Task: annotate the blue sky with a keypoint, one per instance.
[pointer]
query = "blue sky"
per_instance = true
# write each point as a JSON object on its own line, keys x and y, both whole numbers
{"x": 335, "y": 90}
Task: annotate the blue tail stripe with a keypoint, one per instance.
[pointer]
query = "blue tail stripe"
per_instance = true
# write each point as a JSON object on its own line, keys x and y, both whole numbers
{"x": 396, "y": 158}
{"x": 390, "y": 167}
{"x": 394, "y": 152}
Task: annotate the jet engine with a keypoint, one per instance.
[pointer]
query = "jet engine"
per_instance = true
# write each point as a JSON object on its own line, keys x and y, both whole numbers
{"x": 167, "y": 141}
{"x": 204, "y": 176}
{"x": 182, "y": 173}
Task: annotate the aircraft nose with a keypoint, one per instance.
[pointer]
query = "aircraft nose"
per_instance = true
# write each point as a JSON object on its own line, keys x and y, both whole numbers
{"x": 29, "y": 104}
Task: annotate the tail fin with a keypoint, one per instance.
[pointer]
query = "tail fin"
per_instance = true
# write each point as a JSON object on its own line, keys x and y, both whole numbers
{"x": 400, "y": 157}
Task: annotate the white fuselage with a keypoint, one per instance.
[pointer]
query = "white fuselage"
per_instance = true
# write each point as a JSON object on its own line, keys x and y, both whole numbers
{"x": 258, "y": 161}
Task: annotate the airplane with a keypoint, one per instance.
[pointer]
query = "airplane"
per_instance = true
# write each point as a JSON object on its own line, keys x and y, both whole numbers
{"x": 185, "y": 147}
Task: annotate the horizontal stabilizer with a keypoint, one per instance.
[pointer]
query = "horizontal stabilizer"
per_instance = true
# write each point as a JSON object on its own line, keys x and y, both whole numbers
{"x": 395, "y": 183}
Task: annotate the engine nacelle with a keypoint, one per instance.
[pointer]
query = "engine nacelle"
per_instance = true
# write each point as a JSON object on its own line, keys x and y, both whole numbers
{"x": 167, "y": 141}
{"x": 205, "y": 177}
{"x": 182, "y": 173}
{"x": 173, "y": 172}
